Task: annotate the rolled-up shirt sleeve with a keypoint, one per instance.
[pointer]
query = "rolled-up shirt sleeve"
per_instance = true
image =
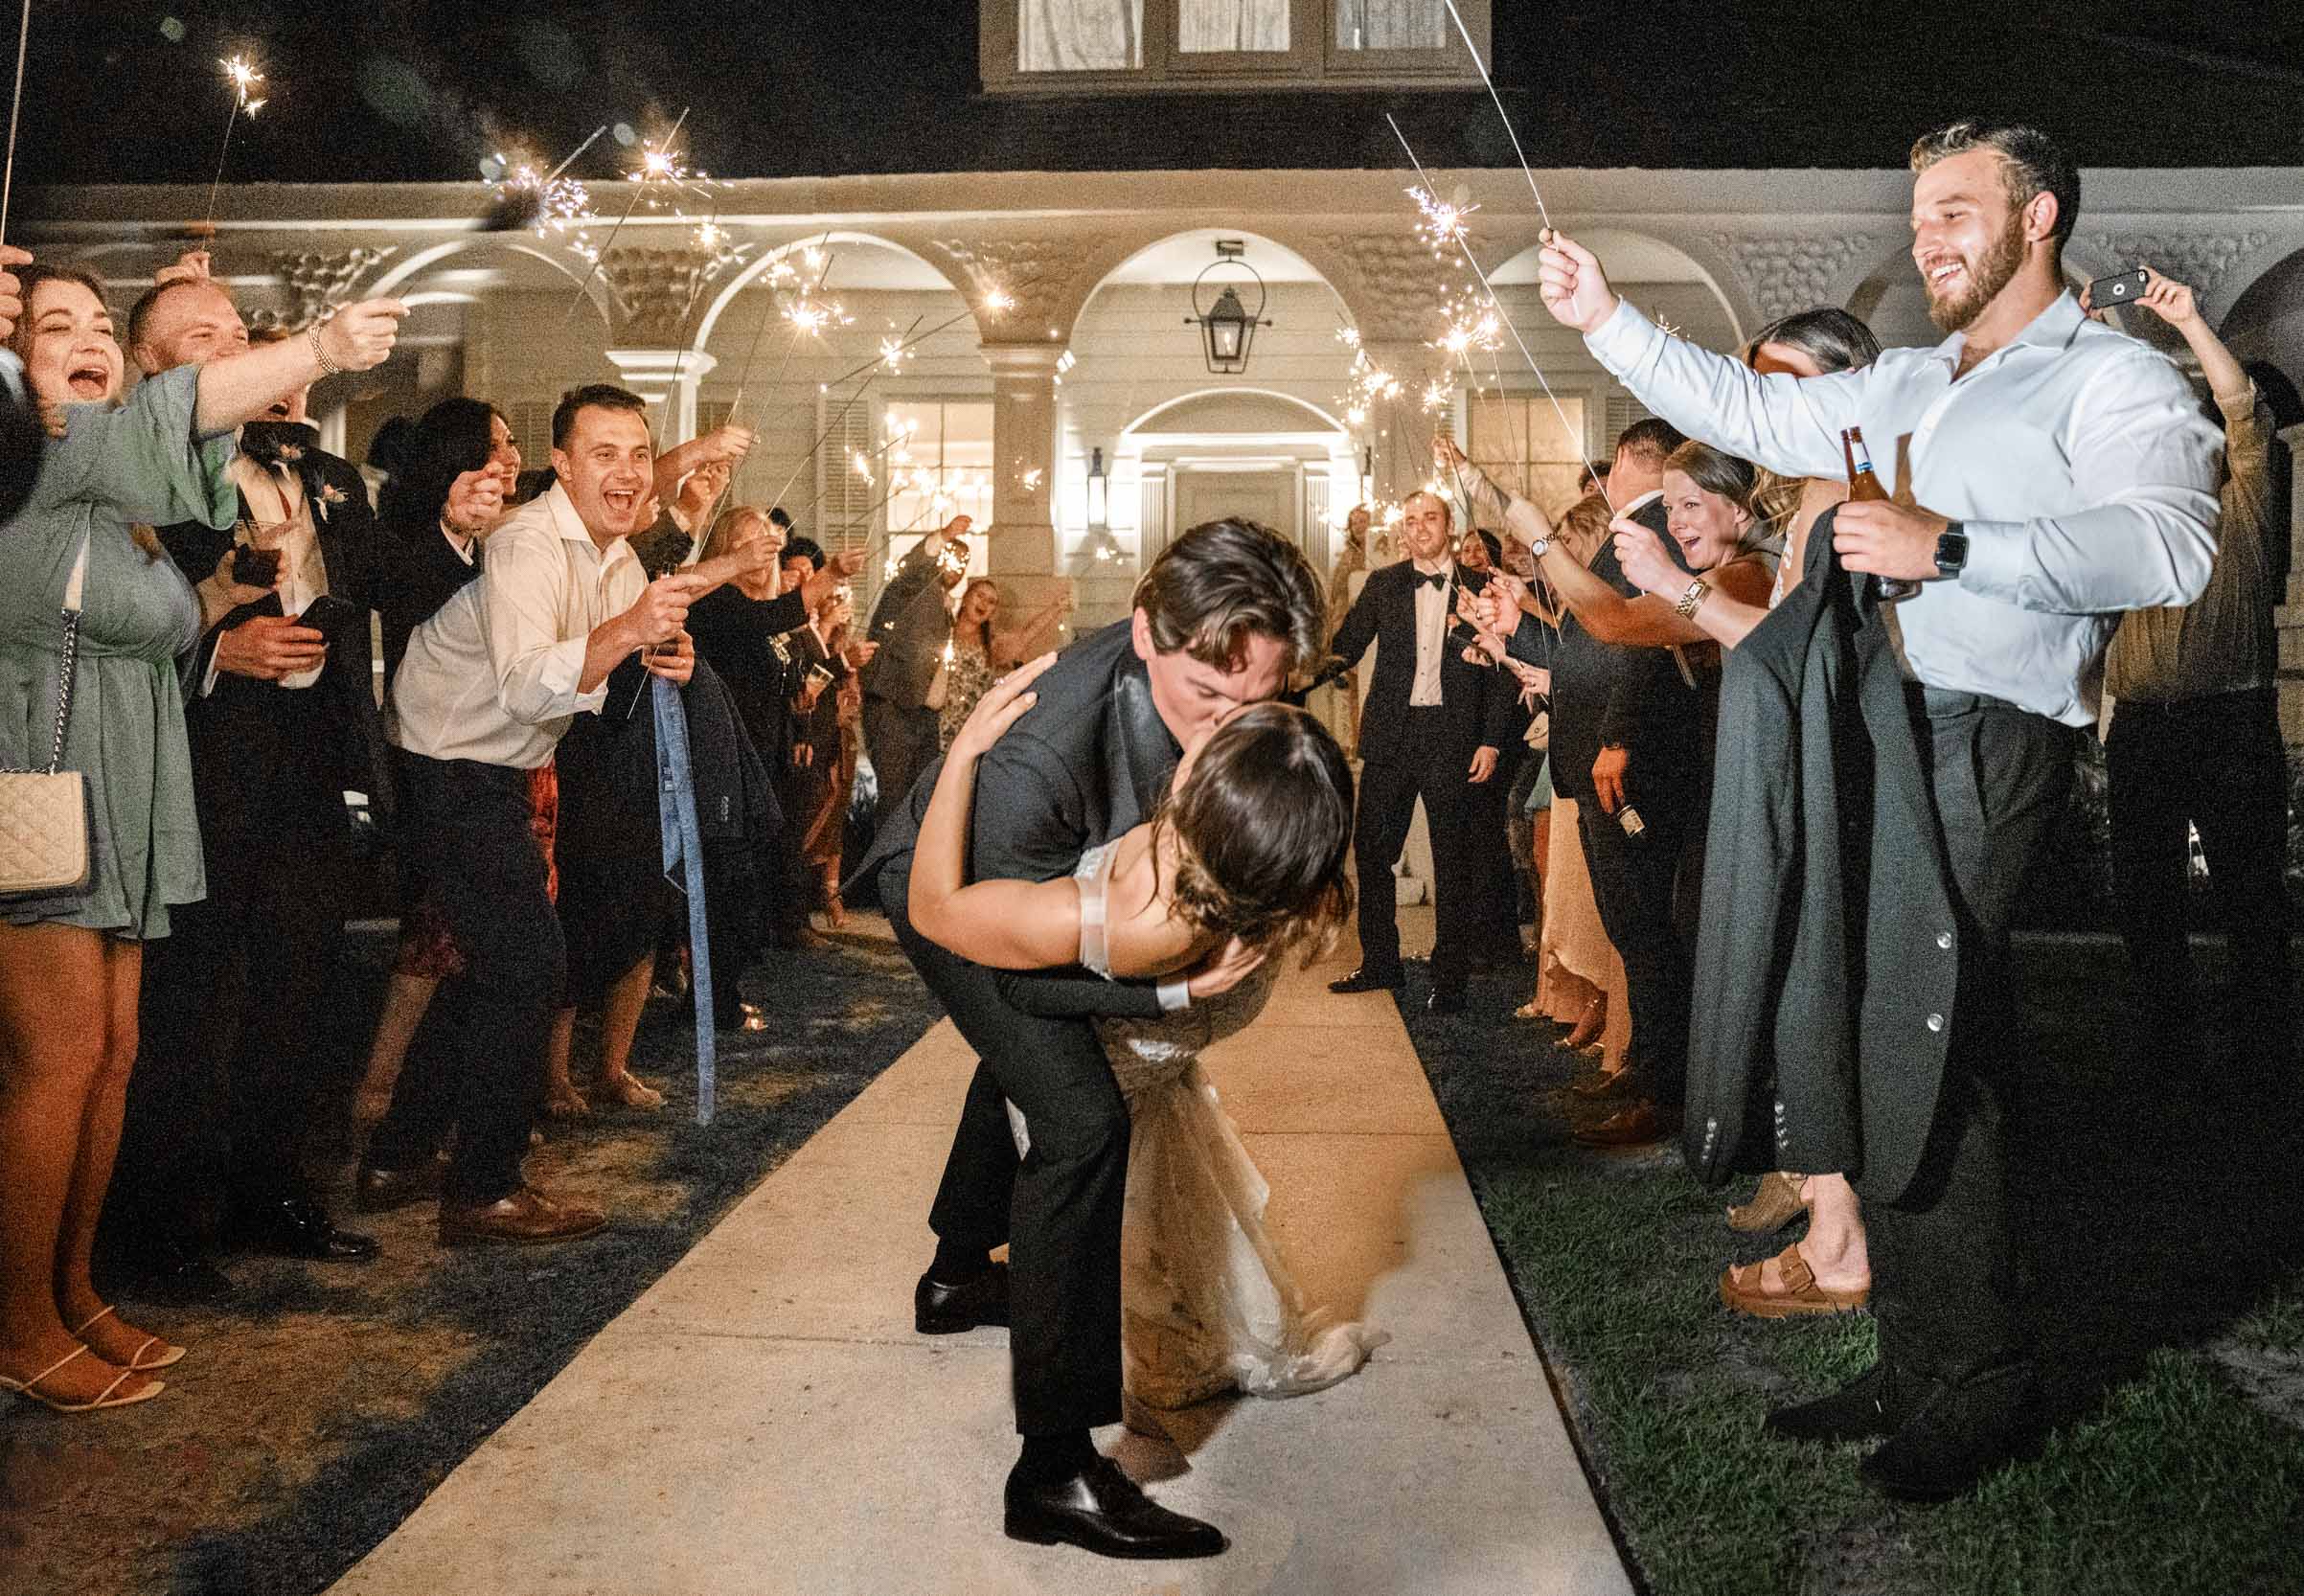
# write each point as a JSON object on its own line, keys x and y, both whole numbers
{"x": 2138, "y": 442}
{"x": 1790, "y": 425}
{"x": 523, "y": 593}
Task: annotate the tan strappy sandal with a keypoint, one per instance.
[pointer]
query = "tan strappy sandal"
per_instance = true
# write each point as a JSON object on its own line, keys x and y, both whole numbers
{"x": 102, "y": 1399}
{"x": 138, "y": 1362}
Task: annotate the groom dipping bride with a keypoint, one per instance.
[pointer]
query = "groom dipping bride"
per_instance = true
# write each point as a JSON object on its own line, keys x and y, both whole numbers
{"x": 1097, "y": 884}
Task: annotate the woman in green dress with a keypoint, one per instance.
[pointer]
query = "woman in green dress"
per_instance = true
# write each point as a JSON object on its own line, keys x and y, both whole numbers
{"x": 69, "y": 966}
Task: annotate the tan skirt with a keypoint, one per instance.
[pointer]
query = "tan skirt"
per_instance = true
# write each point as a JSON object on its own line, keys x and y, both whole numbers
{"x": 1574, "y": 943}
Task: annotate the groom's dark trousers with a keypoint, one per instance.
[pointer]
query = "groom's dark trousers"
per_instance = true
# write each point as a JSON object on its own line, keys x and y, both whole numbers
{"x": 1085, "y": 764}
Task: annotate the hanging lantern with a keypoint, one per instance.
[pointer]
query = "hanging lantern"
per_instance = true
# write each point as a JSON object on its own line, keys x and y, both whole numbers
{"x": 1227, "y": 326}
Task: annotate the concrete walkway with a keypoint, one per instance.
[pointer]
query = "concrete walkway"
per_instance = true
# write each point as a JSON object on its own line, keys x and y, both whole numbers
{"x": 764, "y": 1420}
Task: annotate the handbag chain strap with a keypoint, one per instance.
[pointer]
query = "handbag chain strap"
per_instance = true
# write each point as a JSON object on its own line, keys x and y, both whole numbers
{"x": 71, "y": 614}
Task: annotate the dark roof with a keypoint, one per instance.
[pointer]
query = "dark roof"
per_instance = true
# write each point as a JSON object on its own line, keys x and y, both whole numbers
{"x": 415, "y": 90}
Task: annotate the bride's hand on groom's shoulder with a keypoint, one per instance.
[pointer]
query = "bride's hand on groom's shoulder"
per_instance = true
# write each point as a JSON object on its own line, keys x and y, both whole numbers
{"x": 1002, "y": 705}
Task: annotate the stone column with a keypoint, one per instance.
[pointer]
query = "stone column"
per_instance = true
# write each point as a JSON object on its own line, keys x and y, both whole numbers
{"x": 659, "y": 295}
{"x": 1020, "y": 546}
{"x": 667, "y": 378}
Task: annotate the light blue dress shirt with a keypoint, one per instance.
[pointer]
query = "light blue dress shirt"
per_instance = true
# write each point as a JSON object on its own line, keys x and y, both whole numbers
{"x": 2076, "y": 458}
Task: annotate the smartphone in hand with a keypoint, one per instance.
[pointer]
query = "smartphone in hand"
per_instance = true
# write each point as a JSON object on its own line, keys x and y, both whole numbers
{"x": 2108, "y": 293}
{"x": 329, "y": 616}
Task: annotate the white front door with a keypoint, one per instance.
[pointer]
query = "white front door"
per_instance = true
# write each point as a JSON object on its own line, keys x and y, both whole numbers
{"x": 1267, "y": 495}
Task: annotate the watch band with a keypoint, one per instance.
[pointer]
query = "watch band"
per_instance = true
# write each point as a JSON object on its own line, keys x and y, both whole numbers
{"x": 1951, "y": 551}
{"x": 1691, "y": 601}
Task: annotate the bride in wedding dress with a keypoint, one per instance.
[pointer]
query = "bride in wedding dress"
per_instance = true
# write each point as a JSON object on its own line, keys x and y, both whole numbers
{"x": 1246, "y": 855}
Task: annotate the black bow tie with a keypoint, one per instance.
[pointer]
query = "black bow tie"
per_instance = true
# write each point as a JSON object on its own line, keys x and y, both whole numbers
{"x": 1430, "y": 579}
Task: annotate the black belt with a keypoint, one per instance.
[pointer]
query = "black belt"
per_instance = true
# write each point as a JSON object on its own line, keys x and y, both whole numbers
{"x": 1943, "y": 703}
{"x": 2198, "y": 703}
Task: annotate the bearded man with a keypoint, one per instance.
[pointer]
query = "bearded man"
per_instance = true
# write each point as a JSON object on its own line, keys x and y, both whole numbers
{"x": 2060, "y": 472}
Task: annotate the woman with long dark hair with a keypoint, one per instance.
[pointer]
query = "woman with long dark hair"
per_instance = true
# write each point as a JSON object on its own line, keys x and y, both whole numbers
{"x": 71, "y": 962}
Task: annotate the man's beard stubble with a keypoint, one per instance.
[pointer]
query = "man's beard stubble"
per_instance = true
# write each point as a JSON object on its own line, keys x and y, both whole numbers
{"x": 1986, "y": 278}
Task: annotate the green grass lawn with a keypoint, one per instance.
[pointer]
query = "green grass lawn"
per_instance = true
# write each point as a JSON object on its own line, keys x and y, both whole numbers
{"x": 2166, "y": 1210}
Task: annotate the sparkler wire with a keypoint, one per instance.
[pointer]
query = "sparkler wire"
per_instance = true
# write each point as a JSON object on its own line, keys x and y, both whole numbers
{"x": 7, "y": 179}
{"x": 1464, "y": 250}
{"x": 639, "y": 188}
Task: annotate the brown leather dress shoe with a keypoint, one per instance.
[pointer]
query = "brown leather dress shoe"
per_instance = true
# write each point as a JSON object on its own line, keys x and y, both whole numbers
{"x": 527, "y": 1217}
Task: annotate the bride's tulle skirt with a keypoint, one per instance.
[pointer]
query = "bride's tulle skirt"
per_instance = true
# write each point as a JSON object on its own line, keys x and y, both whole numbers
{"x": 1207, "y": 1304}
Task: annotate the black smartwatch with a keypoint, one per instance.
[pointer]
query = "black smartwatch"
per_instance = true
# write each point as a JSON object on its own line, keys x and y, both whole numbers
{"x": 1951, "y": 551}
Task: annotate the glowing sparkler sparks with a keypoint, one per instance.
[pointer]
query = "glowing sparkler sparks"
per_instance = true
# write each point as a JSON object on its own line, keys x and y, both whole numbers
{"x": 998, "y": 299}
{"x": 863, "y": 464}
{"x": 893, "y": 354}
{"x": 1444, "y": 224}
{"x": 242, "y": 74}
{"x": 1437, "y": 397}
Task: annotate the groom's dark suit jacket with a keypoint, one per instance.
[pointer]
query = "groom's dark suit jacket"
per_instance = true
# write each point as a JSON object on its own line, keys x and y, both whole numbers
{"x": 1089, "y": 762}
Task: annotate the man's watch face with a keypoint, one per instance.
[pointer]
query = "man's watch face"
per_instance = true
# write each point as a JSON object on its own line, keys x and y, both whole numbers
{"x": 1951, "y": 553}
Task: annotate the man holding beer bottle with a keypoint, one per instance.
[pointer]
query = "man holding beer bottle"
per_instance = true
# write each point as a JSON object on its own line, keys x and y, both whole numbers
{"x": 2060, "y": 473}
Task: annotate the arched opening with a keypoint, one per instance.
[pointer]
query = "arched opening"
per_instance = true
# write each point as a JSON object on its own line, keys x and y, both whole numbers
{"x": 2267, "y": 323}
{"x": 1181, "y": 444}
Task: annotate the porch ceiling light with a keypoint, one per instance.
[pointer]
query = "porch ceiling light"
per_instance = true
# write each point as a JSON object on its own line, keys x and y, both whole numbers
{"x": 1227, "y": 326}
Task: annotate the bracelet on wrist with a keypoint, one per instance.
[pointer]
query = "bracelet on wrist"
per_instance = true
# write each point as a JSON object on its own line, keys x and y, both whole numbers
{"x": 1691, "y": 601}
{"x": 328, "y": 367}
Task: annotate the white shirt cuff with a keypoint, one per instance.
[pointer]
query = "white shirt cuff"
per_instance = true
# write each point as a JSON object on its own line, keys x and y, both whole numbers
{"x": 1176, "y": 994}
{"x": 1995, "y": 558}
{"x": 543, "y": 687}
{"x": 1622, "y": 339}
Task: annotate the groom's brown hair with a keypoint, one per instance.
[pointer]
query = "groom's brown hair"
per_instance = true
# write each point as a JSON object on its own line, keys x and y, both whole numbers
{"x": 1222, "y": 582}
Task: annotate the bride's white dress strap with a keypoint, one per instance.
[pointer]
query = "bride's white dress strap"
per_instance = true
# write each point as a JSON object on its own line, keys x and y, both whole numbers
{"x": 1095, "y": 883}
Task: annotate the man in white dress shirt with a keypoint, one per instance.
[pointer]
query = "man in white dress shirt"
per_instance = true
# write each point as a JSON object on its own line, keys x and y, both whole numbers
{"x": 2061, "y": 473}
{"x": 486, "y": 690}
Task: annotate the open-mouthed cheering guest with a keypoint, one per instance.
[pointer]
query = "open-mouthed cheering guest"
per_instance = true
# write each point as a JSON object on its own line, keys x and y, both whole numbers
{"x": 1433, "y": 728}
{"x": 282, "y": 721}
{"x": 71, "y": 964}
{"x": 483, "y": 696}
{"x": 2060, "y": 472}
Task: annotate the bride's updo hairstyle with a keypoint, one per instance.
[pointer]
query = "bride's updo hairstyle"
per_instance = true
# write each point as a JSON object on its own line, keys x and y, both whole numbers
{"x": 1262, "y": 823}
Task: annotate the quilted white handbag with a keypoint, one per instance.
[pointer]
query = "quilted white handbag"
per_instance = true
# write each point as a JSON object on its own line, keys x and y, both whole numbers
{"x": 44, "y": 813}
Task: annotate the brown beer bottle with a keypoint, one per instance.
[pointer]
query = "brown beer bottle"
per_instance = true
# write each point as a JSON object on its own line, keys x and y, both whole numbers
{"x": 1864, "y": 487}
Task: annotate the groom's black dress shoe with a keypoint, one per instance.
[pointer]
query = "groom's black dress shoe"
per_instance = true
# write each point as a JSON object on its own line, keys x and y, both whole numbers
{"x": 1865, "y": 1409}
{"x": 1100, "y": 1510}
{"x": 1365, "y": 979}
{"x": 1957, "y": 1432}
{"x": 940, "y": 1310}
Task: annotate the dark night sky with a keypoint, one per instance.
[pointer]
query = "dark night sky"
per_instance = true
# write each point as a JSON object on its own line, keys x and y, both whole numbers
{"x": 399, "y": 90}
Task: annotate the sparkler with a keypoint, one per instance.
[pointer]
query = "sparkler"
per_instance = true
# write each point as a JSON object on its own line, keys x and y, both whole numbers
{"x": 8, "y": 177}
{"x": 1502, "y": 114}
{"x": 240, "y": 76}
{"x": 653, "y": 158}
{"x": 1487, "y": 288}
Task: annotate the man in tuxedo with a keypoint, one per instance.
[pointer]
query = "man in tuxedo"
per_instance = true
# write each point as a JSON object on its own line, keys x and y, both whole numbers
{"x": 282, "y": 721}
{"x": 1224, "y": 618}
{"x": 912, "y": 623}
{"x": 1433, "y": 729}
{"x": 1627, "y": 740}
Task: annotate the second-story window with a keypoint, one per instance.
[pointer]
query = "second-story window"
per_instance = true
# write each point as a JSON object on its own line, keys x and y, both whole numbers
{"x": 1069, "y": 46}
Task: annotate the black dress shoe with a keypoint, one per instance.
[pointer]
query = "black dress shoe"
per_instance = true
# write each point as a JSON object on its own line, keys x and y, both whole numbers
{"x": 378, "y": 1191}
{"x": 1957, "y": 1433}
{"x": 175, "y": 1272}
{"x": 1100, "y": 1510}
{"x": 1367, "y": 980}
{"x": 298, "y": 1227}
{"x": 940, "y": 1310}
{"x": 1861, "y": 1410}
{"x": 1444, "y": 1000}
